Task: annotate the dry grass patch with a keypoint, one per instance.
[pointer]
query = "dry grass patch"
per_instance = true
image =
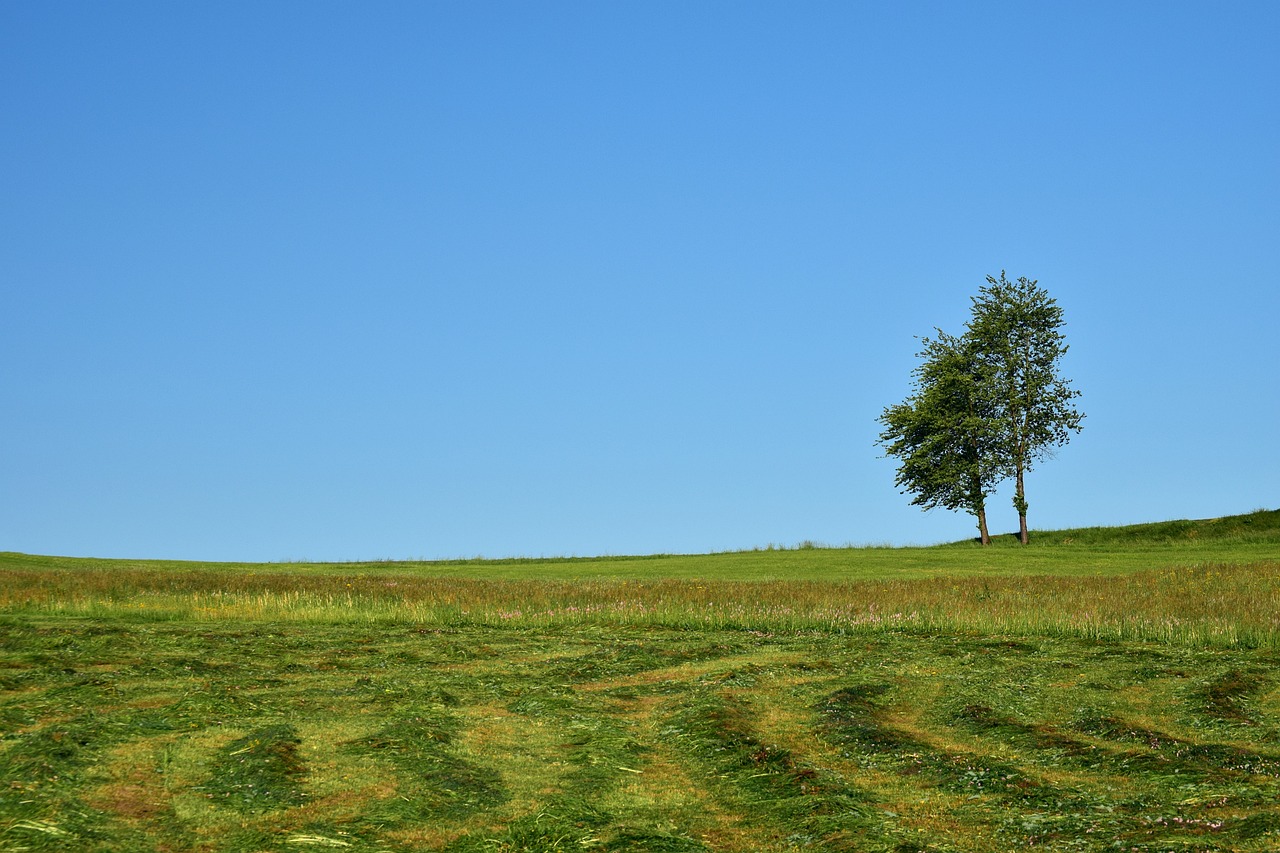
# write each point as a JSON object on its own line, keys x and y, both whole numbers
{"x": 428, "y": 837}
{"x": 526, "y": 753}
{"x": 138, "y": 798}
{"x": 689, "y": 671}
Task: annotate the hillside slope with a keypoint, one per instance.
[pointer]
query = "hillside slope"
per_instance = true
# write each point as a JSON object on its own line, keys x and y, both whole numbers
{"x": 1260, "y": 526}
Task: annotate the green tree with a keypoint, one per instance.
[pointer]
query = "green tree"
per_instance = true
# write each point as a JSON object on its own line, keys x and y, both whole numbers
{"x": 947, "y": 434}
{"x": 1016, "y": 332}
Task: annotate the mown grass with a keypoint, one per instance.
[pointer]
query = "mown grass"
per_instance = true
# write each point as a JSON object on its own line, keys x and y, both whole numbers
{"x": 176, "y": 736}
{"x": 163, "y": 707}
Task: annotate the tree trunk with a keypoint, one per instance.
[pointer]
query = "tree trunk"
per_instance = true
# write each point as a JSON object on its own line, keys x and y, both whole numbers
{"x": 983, "y": 536}
{"x": 1020, "y": 502}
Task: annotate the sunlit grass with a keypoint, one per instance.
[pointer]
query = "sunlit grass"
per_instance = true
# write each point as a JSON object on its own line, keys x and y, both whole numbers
{"x": 1091, "y": 551}
{"x": 1210, "y": 603}
{"x": 134, "y": 735}
{"x": 954, "y": 699}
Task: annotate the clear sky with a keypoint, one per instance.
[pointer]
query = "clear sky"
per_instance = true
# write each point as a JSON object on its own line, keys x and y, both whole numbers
{"x": 333, "y": 281}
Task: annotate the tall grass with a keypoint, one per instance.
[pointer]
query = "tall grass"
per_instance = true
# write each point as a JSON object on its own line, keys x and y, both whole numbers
{"x": 1210, "y": 604}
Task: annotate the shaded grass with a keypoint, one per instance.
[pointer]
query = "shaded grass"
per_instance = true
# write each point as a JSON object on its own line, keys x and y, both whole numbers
{"x": 818, "y": 807}
{"x": 258, "y": 772}
{"x": 433, "y": 782}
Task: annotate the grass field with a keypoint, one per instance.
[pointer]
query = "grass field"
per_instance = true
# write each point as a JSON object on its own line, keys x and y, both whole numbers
{"x": 1106, "y": 689}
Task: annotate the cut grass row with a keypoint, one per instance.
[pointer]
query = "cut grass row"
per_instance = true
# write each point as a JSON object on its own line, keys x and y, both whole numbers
{"x": 270, "y": 737}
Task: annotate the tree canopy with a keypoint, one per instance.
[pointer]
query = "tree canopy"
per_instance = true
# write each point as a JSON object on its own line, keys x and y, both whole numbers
{"x": 1016, "y": 327}
{"x": 985, "y": 406}
{"x": 946, "y": 433}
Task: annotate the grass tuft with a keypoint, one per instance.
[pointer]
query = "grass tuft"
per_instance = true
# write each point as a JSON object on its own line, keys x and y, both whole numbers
{"x": 258, "y": 772}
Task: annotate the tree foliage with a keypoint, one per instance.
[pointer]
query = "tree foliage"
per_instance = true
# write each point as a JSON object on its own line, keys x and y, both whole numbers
{"x": 946, "y": 434}
{"x": 1016, "y": 328}
{"x": 985, "y": 406}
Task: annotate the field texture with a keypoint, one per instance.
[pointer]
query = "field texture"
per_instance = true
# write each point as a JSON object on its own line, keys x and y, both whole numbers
{"x": 1125, "y": 696}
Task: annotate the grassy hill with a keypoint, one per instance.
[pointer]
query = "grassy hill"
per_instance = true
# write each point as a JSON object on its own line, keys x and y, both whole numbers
{"x": 1261, "y": 526}
{"x": 1217, "y": 575}
{"x": 1083, "y": 551}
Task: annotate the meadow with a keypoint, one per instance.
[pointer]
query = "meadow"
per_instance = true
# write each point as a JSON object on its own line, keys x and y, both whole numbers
{"x": 1101, "y": 689}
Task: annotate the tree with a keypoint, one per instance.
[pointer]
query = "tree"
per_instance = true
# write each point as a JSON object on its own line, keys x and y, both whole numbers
{"x": 1016, "y": 333}
{"x": 947, "y": 433}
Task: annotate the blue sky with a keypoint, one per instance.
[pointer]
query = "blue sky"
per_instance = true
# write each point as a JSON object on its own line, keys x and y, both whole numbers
{"x": 342, "y": 281}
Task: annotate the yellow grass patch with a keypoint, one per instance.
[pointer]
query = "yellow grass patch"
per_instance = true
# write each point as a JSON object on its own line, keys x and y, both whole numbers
{"x": 526, "y": 752}
{"x": 427, "y": 837}
{"x": 133, "y": 790}
{"x": 692, "y": 670}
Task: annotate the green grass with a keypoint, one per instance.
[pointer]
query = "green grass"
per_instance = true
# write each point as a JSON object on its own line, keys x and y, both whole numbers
{"x": 1110, "y": 689}
{"x": 1260, "y": 527}
{"x": 1114, "y": 550}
